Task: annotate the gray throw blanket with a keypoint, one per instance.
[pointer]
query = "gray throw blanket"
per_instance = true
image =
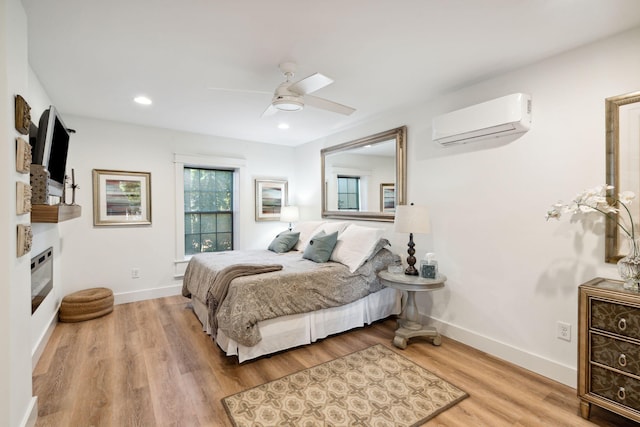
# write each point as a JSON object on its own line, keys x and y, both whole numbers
{"x": 218, "y": 290}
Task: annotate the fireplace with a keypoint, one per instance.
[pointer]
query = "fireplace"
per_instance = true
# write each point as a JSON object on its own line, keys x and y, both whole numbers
{"x": 41, "y": 277}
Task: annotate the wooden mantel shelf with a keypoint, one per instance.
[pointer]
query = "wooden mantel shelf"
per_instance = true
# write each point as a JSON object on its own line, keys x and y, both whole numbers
{"x": 54, "y": 213}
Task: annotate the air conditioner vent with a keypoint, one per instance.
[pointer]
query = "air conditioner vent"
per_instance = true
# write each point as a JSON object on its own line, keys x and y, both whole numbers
{"x": 499, "y": 117}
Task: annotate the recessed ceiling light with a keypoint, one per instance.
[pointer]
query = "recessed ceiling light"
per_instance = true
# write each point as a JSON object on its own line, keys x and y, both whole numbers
{"x": 283, "y": 126}
{"x": 142, "y": 100}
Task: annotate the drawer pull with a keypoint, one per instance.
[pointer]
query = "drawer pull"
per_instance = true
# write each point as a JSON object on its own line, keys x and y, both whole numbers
{"x": 622, "y": 360}
{"x": 621, "y": 393}
{"x": 622, "y": 324}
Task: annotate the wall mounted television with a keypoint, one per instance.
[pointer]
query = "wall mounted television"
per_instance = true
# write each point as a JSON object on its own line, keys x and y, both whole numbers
{"x": 51, "y": 147}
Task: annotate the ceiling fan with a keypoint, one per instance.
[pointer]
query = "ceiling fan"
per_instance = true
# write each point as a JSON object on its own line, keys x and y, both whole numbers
{"x": 294, "y": 96}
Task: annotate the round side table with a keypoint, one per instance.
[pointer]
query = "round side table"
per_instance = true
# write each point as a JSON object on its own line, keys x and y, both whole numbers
{"x": 409, "y": 323}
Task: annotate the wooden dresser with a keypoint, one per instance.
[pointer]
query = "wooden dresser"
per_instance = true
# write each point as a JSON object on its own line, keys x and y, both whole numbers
{"x": 609, "y": 348}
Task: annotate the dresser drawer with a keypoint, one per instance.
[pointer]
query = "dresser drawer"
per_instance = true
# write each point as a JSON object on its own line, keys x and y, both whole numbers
{"x": 615, "y": 318}
{"x": 618, "y": 354}
{"x": 616, "y": 387}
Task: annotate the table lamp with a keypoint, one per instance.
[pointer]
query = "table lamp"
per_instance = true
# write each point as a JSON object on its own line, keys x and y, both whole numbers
{"x": 289, "y": 214}
{"x": 411, "y": 219}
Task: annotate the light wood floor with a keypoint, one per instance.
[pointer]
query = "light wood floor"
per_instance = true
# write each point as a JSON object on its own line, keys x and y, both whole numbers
{"x": 149, "y": 364}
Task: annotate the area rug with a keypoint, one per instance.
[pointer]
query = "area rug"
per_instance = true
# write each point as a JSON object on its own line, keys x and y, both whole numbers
{"x": 371, "y": 387}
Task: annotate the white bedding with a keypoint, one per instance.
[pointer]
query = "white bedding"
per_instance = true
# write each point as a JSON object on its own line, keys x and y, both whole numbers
{"x": 299, "y": 329}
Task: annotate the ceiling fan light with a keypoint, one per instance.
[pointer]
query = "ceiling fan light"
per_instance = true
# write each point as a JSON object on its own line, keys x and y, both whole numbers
{"x": 288, "y": 103}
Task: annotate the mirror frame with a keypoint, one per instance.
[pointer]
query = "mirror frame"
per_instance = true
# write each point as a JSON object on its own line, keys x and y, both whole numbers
{"x": 612, "y": 126}
{"x": 400, "y": 135}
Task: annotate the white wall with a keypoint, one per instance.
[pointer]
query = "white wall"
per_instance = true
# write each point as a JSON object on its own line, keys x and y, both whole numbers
{"x": 104, "y": 256}
{"x": 17, "y": 407}
{"x": 511, "y": 275}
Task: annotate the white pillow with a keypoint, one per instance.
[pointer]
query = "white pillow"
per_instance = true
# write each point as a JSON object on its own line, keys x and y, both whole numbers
{"x": 355, "y": 245}
{"x": 306, "y": 229}
{"x": 332, "y": 227}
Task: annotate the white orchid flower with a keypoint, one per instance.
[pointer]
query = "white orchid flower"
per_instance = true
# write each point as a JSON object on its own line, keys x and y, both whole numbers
{"x": 596, "y": 199}
{"x": 555, "y": 211}
{"x": 626, "y": 197}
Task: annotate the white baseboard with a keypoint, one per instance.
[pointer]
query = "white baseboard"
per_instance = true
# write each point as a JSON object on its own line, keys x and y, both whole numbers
{"x": 551, "y": 369}
{"x": 31, "y": 416}
{"x": 145, "y": 294}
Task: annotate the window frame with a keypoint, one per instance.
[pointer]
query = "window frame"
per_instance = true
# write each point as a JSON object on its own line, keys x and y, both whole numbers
{"x": 358, "y": 181}
{"x": 238, "y": 166}
{"x": 227, "y": 173}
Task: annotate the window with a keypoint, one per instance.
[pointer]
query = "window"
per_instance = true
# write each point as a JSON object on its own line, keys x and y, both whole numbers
{"x": 208, "y": 210}
{"x": 348, "y": 193}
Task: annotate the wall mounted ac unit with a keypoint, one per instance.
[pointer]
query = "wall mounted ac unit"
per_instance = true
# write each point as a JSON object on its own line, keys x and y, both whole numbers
{"x": 503, "y": 116}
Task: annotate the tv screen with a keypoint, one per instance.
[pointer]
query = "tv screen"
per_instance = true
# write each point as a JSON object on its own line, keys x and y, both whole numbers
{"x": 50, "y": 150}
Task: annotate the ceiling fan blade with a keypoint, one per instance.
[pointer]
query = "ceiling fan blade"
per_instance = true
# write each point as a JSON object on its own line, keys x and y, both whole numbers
{"x": 325, "y": 104}
{"x": 270, "y": 111}
{"x": 310, "y": 84}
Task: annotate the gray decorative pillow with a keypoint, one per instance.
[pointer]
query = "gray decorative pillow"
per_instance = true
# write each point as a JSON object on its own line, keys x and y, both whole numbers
{"x": 321, "y": 246}
{"x": 284, "y": 241}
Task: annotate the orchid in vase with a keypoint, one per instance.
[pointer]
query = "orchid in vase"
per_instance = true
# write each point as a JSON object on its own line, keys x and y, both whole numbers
{"x": 600, "y": 200}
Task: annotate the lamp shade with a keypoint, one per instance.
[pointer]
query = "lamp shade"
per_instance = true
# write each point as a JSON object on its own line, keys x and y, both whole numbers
{"x": 289, "y": 214}
{"x": 411, "y": 219}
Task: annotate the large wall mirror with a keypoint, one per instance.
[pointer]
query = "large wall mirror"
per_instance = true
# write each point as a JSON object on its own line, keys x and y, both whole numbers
{"x": 365, "y": 179}
{"x": 623, "y": 165}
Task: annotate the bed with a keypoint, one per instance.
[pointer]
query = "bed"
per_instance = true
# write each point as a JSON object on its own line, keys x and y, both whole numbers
{"x": 257, "y": 302}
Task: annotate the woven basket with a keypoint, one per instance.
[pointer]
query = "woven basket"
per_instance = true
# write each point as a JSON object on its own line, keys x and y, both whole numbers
{"x": 86, "y": 304}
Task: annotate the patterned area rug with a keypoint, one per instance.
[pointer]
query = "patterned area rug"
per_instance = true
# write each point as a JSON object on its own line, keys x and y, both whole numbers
{"x": 372, "y": 387}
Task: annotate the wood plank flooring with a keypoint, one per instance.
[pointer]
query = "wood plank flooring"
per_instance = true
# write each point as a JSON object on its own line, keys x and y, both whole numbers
{"x": 149, "y": 364}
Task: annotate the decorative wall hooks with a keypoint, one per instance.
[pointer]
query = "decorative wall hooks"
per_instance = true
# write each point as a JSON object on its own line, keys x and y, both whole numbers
{"x": 23, "y": 198}
{"x": 23, "y": 155}
{"x": 23, "y": 115}
{"x": 25, "y": 239}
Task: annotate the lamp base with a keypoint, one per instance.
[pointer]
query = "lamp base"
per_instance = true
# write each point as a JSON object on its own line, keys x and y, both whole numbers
{"x": 411, "y": 260}
{"x": 411, "y": 271}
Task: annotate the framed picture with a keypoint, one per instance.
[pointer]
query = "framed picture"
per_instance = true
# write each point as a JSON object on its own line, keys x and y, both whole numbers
{"x": 388, "y": 197}
{"x": 271, "y": 196}
{"x": 121, "y": 198}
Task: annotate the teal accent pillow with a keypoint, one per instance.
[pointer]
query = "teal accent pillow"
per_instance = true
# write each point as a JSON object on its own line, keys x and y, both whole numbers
{"x": 321, "y": 246}
{"x": 284, "y": 241}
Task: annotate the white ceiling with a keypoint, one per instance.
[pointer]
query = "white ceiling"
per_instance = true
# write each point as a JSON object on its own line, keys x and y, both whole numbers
{"x": 94, "y": 56}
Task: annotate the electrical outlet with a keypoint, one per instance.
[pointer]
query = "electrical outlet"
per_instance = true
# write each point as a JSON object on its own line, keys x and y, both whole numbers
{"x": 135, "y": 273}
{"x": 563, "y": 331}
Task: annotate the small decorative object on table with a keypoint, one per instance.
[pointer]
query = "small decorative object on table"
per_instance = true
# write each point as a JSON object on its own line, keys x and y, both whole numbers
{"x": 429, "y": 266}
{"x": 395, "y": 269}
{"x": 602, "y": 200}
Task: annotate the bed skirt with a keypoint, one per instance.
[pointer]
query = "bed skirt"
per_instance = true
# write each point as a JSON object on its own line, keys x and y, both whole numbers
{"x": 299, "y": 329}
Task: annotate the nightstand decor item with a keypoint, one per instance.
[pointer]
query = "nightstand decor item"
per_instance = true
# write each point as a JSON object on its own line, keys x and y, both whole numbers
{"x": 429, "y": 266}
{"x": 23, "y": 156}
{"x": 603, "y": 200}
{"x": 23, "y": 115}
{"x": 411, "y": 219}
